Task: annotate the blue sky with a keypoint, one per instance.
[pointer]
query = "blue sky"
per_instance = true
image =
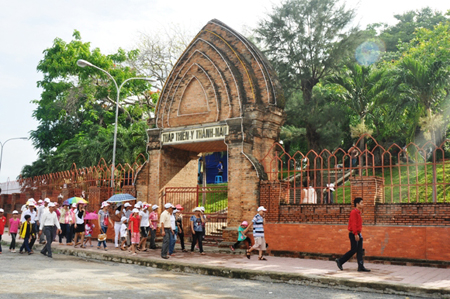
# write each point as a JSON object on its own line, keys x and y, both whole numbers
{"x": 28, "y": 27}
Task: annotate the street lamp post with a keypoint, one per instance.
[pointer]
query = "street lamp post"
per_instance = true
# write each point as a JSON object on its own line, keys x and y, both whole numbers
{"x": 84, "y": 63}
{"x": 3, "y": 144}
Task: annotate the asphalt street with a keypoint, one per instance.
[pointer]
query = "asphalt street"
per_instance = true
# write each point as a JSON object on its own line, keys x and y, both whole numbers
{"x": 37, "y": 276}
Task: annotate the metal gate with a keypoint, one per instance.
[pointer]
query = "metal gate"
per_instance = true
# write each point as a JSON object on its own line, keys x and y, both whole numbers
{"x": 215, "y": 201}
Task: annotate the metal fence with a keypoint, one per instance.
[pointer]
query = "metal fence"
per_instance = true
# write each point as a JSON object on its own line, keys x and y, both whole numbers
{"x": 412, "y": 173}
{"x": 214, "y": 199}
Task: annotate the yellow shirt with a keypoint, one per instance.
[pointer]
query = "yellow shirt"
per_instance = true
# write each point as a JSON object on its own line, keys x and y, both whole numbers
{"x": 165, "y": 219}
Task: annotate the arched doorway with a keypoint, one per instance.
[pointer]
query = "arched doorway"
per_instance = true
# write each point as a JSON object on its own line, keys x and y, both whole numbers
{"x": 222, "y": 95}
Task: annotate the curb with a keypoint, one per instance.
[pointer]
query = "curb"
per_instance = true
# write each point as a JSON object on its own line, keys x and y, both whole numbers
{"x": 267, "y": 276}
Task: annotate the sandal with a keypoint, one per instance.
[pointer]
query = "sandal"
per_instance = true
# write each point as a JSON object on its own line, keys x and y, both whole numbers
{"x": 261, "y": 258}
{"x": 203, "y": 253}
{"x": 248, "y": 254}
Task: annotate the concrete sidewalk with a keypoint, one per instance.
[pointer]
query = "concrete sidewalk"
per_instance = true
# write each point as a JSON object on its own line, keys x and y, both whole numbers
{"x": 402, "y": 280}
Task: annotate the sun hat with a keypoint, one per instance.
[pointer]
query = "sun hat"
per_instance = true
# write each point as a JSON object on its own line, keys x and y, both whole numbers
{"x": 31, "y": 204}
{"x": 202, "y": 209}
{"x": 137, "y": 206}
{"x": 175, "y": 211}
{"x": 40, "y": 201}
{"x": 331, "y": 186}
{"x": 15, "y": 212}
{"x": 197, "y": 209}
{"x": 123, "y": 219}
{"x": 179, "y": 207}
{"x": 168, "y": 205}
{"x": 105, "y": 204}
{"x": 51, "y": 204}
{"x": 126, "y": 205}
{"x": 47, "y": 200}
{"x": 1, "y": 211}
{"x": 145, "y": 207}
{"x": 135, "y": 210}
{"x": 154, "y": 207}
{"x": 74, "y": 205}
{"x": 261, "y": 208}
{"x": 244, "y": 223}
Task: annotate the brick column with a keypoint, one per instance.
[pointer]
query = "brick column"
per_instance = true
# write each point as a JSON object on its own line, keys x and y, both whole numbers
{"x": 371, "y": 190}
{"x": 271, "y": 194}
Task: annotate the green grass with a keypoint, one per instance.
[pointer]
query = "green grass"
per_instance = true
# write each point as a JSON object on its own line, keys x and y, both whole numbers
{"x": 215, "y": 201}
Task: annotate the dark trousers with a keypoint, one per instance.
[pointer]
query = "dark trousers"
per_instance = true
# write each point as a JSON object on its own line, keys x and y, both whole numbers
{"x": 70, "y": 232}
{"x": 63, "y": 234}
{"x": 1, "y": 243}
{"x": 197, "y": 237}
{"x": 13, "y": 241}
{"x": 26, "y": 244}
{"x": 356, "y": 247}
{"x": 35, "y": 231}
{"x": 49, "y": 235}
{"x": 181, "y": 236}
{"x": 239, "y": 242}
{"x": 173, "y": 240}
{"x": 166, "y": 242}
{"x": 152, "y": 238}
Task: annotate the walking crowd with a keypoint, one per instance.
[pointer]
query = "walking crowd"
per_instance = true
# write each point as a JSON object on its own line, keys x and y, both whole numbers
{"x": 134, "y": 224}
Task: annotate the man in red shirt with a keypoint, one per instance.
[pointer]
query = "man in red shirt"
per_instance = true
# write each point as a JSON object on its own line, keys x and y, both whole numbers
{"x": 356, "y": 239}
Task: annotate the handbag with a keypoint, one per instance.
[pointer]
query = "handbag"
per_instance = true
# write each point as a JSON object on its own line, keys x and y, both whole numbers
{"x": 101, "y": 237}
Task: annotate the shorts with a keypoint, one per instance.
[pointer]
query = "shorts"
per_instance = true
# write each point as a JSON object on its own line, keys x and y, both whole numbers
{"x": 260, "y": 243}
{"x": 135, "y": 238}
{"x": 123, "y": 239}
{"x": 144, "y": 231}
{"x": 88, "y": 236}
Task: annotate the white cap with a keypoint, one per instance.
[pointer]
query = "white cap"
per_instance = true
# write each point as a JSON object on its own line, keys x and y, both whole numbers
{"x": 105, "y": 204}
{"x": 137, "y": 206}
{"x": 168, "y": 205}
{"x": 331, "y": 186}
{"x": 145, "y": 207}
{"x": 74, "y": 205}
{"x": 31, "y": 204}
{"x": 1, "y": 211}
{"x": 202, "y": 209}
{"x": 197, "y": 209}
{"x": 154, "y": 207}
{"x": 40, "y": 200}
{"x": 31, "y": 199}
{"x": 135, "y": 210}
{"x": 15, "y": 212}
{"x": 51, "y": 204}
{"x": 127, "y": 205}
{"x": 123, "y": 219}
{"x": 261, "y": 208}
{"x": 139, "y": 203}
{"x": 175, "y": 211}
{"x": 47, "y": 199}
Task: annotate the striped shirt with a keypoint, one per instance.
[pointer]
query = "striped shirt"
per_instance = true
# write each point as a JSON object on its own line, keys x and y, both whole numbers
{"x": 258, "y": 226}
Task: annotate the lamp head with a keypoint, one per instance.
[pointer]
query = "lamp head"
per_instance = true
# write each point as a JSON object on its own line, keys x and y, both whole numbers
{"x": 83, "y": 63}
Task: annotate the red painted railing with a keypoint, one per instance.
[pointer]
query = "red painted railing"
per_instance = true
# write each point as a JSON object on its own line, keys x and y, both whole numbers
{"x": 412, "y": 173}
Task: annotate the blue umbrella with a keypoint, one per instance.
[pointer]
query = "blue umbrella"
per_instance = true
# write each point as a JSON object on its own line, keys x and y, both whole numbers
{"x": 121, "y": 197}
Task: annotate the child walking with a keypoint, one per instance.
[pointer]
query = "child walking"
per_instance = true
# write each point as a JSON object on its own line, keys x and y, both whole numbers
{"x": 242, "y": 231}
{"x": 27, "y": 233}
{"x": 134, "y": 223}
{"x": 123, "y": 233}
{"x": 88, "y": 233}
{"x": 13, "y": 228}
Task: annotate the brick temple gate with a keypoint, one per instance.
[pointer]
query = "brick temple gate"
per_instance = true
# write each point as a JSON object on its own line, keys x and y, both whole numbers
{"x": 222, "y": 95}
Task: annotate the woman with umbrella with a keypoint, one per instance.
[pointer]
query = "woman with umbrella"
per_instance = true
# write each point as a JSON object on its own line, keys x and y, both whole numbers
{"x": 79, "y": 224}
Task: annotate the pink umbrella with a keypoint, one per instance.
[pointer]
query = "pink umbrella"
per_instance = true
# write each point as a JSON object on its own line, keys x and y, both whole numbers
{"x": 91, "y": 216}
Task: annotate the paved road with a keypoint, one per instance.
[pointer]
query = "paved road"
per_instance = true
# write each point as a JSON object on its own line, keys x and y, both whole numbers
{"x": 37, "y": 276}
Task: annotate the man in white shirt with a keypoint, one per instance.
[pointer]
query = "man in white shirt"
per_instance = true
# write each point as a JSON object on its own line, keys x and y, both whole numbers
{"x": 41, "y": 211}
{"x": 48, "y": 221}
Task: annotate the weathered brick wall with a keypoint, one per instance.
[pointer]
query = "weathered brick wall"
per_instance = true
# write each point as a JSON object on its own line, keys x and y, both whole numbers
{"x": 435, "y": 214}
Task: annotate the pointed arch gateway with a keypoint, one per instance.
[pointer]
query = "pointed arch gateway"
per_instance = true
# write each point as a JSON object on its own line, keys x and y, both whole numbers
{"x": 221, "y": 95}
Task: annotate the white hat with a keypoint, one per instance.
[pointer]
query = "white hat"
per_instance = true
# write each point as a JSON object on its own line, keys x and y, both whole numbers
{"x": 202, "y": 209}
{"x": 127, "y": 205}
{"x": 175, "y": 211}
{"x": 74, "y": 205}
{"x": 137, "y": 206}
{"x": 31, "y": 199}
{"x": 1, "y": 210}
{"x": 105, "y": 204}
{"x": 51, "y": 204}
{"x": 168, "y": 205}
{"x": 47, "y": 199}
{"x": 135, "y": 210}
{"x": 154, "y": 207}
{"x": 31, "y": 204}
{"x": 139, "y": 203}
{"x": 145, "y": 207}
{"x": 40, "y": 200}
{"x": 261, "y": 208}
{"x": 197, "y": 209}
{"x": 15, "y": 212}
{"x": 331, "y": 186}
{"x": 123, "y": 219}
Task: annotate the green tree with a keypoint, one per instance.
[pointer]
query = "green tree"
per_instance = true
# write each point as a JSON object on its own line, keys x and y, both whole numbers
{"x": 77, "y": 107}
{"x": 306, "y": 40}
